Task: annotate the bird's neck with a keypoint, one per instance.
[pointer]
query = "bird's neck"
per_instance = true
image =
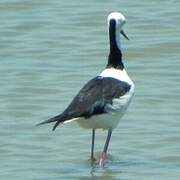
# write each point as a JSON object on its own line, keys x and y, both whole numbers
{"x": 115, "y": 54}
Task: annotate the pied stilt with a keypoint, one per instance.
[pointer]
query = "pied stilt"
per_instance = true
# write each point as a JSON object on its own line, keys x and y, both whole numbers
{"x": 104, "y": 99}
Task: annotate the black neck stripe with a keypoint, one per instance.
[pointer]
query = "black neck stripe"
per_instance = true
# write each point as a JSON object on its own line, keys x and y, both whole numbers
{"x": 115, "y": 55}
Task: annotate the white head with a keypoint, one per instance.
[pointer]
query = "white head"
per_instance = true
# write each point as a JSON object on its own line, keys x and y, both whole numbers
{"x": 120, "y": 20}
{"x": 118, "y": 17}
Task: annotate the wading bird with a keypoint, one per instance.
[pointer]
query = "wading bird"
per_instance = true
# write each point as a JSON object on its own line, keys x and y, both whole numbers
{"x": 104, "y": 99}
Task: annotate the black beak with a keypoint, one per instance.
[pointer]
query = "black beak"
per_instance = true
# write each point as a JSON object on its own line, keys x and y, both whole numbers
{"x": 124, "y": 34}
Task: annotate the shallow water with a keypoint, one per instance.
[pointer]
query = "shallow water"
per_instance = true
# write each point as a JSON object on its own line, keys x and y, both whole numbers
{"x": 48, "y": 50}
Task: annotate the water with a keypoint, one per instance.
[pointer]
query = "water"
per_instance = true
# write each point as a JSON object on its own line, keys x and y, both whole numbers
{"x": 48, "y": 50}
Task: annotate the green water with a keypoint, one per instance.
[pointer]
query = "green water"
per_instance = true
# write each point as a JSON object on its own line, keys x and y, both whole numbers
{"x": 48, "y": 50}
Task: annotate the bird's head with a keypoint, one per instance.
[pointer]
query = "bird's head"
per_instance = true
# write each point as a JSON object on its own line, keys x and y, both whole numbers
{"x": 118, "y": 20}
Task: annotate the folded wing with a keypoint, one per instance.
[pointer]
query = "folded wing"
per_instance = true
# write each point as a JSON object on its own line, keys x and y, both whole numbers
{"x": 92, "y": 99}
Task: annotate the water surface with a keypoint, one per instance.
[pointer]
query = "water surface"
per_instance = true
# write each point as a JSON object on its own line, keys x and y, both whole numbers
{"x": 48, "y": 50}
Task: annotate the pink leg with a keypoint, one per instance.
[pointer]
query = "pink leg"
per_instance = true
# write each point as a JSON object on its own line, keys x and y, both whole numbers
{"x": 104, "y": 153}
{"x": 102, "y": 159}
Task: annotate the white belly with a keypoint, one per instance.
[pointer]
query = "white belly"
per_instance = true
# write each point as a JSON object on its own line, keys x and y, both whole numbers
{"x": 105, "y": 121}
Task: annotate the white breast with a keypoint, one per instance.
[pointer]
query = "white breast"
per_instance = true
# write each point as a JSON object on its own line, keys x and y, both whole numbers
{"x": 117, "y": 74}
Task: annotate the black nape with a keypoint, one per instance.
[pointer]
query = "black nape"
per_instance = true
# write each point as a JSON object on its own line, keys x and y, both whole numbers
{"x": 115, "y": 55}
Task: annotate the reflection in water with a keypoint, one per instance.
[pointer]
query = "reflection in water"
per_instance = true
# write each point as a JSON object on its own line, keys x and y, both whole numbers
{"x": 111, "y": 168}
{"x": 103, "y": 173}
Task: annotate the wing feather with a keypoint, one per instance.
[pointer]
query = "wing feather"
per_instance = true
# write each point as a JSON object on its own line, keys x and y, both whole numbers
{"x": 93, "y": 98}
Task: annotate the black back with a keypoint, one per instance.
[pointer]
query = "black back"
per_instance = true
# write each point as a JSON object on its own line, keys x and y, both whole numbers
{"x": 93, "y": 98}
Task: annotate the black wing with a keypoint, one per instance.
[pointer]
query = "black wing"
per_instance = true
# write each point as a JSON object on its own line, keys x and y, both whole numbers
{"x": 93, "y": 98}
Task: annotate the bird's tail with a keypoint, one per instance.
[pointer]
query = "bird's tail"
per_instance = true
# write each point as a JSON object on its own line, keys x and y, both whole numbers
{"x": 58, "y": 119}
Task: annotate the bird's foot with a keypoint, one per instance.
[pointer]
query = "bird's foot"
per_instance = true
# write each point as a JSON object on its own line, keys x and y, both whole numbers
{"x": 102, "y": 159}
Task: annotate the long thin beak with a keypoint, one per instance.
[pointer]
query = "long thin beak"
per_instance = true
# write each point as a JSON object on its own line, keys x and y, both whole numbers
{"x": 124, "y": 34}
